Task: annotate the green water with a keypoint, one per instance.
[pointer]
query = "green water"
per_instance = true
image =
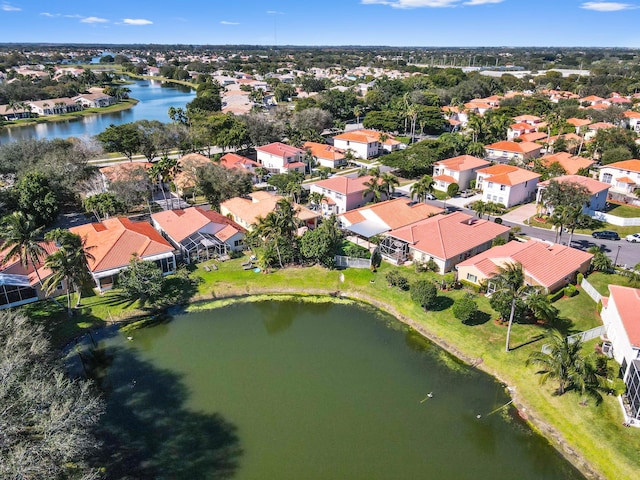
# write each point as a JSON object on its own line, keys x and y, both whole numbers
{"x": 285, "y": 390}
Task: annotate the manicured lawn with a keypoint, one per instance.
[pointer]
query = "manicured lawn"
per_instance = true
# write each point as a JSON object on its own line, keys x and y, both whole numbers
{"x": 600, "y": 281}
{"x": 624, "y": 211}
{"x": 622, "y": 231}
{"x": 588, "y": 429}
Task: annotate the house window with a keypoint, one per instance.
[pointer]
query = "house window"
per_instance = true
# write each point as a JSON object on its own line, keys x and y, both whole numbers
{"x": 501, "y": 200}
{"x": 607, "y": 177}
{"x": 490, "y": 185}
{"x": 503, "y": 188}
{"x": 472, "y": 278}
{"x": 237, "y": 243}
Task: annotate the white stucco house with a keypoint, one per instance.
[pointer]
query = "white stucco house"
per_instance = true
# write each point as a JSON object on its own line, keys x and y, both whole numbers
{"x": 507, "y": 184}
{"x": 598, "y": 191}
{"x": 506, "y": 151}
{"x": 365, "y": 143}
{"x": 460, "y": 170}
{"x": 342, "y": 193}
{"x": 278, "y": 157}
{"x": 623, "y": 177}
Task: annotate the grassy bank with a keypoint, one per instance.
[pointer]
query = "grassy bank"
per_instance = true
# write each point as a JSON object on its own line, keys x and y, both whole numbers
{"x": 186, "y": 83}
{"x": 580, "y": 432}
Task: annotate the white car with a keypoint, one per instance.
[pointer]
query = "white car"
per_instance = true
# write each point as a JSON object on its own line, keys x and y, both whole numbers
{"x": 633, "y": 238}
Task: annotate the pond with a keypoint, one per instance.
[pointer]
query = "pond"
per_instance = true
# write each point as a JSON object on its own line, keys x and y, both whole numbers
{"x": 289, "y": 390}
{"x": 154, "y": 97}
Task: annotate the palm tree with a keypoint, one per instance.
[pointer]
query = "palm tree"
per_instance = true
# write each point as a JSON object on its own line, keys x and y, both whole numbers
{"x": 422, "y": 188}
{"x": 541, "y": 306}
{"x": 357, "y": 111}
{"x": 478, "y": 127}
{"x": 479, "y": 207}
{"x": 69, "y": 264}
{"x": 373, "y": 185}
{"x": 316, "y": 199}
{"x": 510, "y": 281}
{"x": 388, "y": 184}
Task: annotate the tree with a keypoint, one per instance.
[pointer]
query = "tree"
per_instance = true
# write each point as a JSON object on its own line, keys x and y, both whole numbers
{"x": 600, "y": 261}
{"x": 452, "y": 189}
{"x": 565, "y": 193}
{"x": 103, "y": 205}
{"x": 388, "y": 184}
{"x": 142, "y": 281}
{"x": 320, "y": 245}
{"x": 615, "y": 154}
{"x": 36, "y": 196}
{"x": 218, "y": 184}
{"x": 424, "y": 293}
{"x": 422, "y": 188}
{"x": 479, "y": 207}
{"x": 510, "y": 282}
{"x": 124, "y": 138}
{"x": 374, "y": 185}
{"x": 465, "y": 308}
{"x": 68, "y": 264}
{"x": 316, "y": 199}
{"x": 277, "y": 231}
{"x": 47, "y": 419}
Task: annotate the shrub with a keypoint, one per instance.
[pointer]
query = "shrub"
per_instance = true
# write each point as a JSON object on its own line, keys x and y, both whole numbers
{"x": 424, "y": 293}
{"x": 420, "y": 267}
{"x": 570, "y": 290}
{"x": 432, "y": 266}
{"x": 555, "y": 295}
{"x": 498, "y": 220}
{"x": 396, "y": 279}
{"x": 465, "y": 308}
{"x": 453, "y": 189}
{"x": 579, "y": 278}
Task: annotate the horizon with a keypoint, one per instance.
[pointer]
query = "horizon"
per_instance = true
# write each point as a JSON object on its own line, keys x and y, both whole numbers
{"x": 334, "y": 23}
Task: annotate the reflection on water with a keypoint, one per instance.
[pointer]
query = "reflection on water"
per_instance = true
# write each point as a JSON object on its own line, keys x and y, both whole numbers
{"x": 155, "y": 99}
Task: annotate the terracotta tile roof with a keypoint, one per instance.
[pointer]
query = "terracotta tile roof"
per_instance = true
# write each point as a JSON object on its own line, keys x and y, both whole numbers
{"x": 322, "y": 150}
{"x": 594, "y": 186}
{"x": 445, "y": 178}
{"x": 516, "y": 147}
{"x": 630, "y": 165}
{"x": 533, "y": 136}
{"x": 259, "y": 205}
{"x": 113, "y": 241}
{"x": 12, "y": 266}
{"x": 446, "y": 236}
{"x": 522, "y": 126}
{"x": 344, "y": 185}
{"x": 627, "y": 302}
{"x": 567, "y": 161}
{"x": 394, "y": 213}
{"x": 233, "y": 160}
{"x": 462, "y": 163}
{"x": 592, "y": 98}
{"x": 279, "y": 149}
{"x": 179, "y": 224}
{"x": 366, "y": 136}
{"x": 186, "y": 177}
{"x": 527, "y": 118}
{"x": 618, "y": 100}
{"x": 626, "y": 180}
{"x": 631, "y": 114}
{"x": 578, "y": 122}
{"x": 507, "y": 174}
{"x": 546, "y": 263}
{"x": 293, "y": 165}
{"x": 601, "y": 125}
{"x": 122, "y": 171}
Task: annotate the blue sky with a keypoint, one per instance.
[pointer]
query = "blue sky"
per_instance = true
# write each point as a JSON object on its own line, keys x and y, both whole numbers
{"x": 325, "y": 22}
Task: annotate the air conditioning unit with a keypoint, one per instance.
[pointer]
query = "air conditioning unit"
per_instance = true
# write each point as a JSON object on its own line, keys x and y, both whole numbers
{"x": 607, "y": 349}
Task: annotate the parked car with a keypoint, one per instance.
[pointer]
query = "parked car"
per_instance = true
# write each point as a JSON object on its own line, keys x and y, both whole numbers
{"x": 606, "y": 235}
{"x": 633, "y": 238}
{"x": 430, "y": 196}
{"x": 467, "y": 193}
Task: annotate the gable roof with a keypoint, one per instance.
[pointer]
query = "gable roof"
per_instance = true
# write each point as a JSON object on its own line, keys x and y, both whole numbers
{"x": 279, "y": 149}
{"x": 546, "y": 263}
{"x": 462, "y": 163}
{"x": 322, "y": 150}
{"x": 533, "y": 136}
{"x": 516, "y": 147}
{"x": 344, "y": 185}
{"x": 445, "y": 236}
{"x": 630, "y": 165}
{"x": 507, "y": 174}
{"x": 567, "y": 161}
{"x": 233, "y": 160}
{"x": 179, "y": 224}
{"x": 113, "y": 241}
{"x": 594, "y": 186}
{"x": 366, "y": 136}
{"x": 394, "y": 213}
{"x": 627, "y": 302}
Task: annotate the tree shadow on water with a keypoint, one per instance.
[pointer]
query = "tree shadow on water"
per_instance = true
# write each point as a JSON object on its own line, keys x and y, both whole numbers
{"x": 148, "y": 433}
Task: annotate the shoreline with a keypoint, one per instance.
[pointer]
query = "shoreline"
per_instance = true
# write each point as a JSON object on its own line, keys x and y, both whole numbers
{"x": 528, "y": 414}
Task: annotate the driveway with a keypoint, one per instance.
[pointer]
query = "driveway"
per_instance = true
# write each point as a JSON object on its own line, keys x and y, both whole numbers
{"x": 520, "y": 214}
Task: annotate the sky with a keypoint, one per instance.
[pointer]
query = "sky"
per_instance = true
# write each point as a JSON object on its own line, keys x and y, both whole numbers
{"x": 420, "y": 23}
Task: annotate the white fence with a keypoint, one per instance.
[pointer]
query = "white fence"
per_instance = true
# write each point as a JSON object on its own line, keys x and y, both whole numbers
{"x": 582, "y": 336}
{"x": 352, "y": 262}
{"x": 619, "y": 221}
{"x": 590, "y": 290}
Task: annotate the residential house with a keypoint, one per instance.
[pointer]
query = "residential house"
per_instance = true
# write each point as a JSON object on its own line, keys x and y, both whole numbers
{"x": 507, "y": 184}
{"x": 548, "y": 265}
{"x": 366, "y": 143}
{"x": 591, "y": 100}
{"x": 199, "y": 234}
{"x": 460, "y": 170}
{"x": 54, "y": 106}
{"x": 623, "y": 177}
{"x": 571, "y": 164}
{"x": 506, "y": 151}
{"x": 9, "y": 112}
{"x": 326, "y": 155}
{"x": 126, "y": 171}
{"x": 246, "y": 212}
{"x": 445, "y": 239}
{"x": 113, "y": 242}
{"x": 378, "y": 218}
{"x": 620, "y": 317}
{"x": 633, "y": 120}
{"x": 518, "y": 129}
{"x": 187, "y": 177}
{"x": 94, "y": 100}
{"x": 592, "y": 129}
{"x": 233, "y": 161}
{"x": 598, "y": 191}
{"x": 581, "y": 124}
{"x": 528, "y": 119}
{"x": 343, "y": 193}
{"x": 20, "y": 285}
{"x": 533, "y": 136}
{"x": 278, "y": 157}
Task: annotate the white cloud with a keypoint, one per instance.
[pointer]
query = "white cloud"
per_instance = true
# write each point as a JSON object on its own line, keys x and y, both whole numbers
{"x": 427, "y": 3}
{"x": 224, "y": 22}
{"x": 50, "y": 15}
{"x": 136, "y": 21}
{"x": 482, "y": 2}
{"x": 10, "y": 8}
{"x": 73, "y": 16}
{"x": 607, "y": 6}
{"x": 274, "y": 12}
{"x": 94, "y": 20}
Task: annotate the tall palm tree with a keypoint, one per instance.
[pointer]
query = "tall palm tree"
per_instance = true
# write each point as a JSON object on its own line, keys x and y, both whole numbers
{"x": 479, "y": 207}
{"x": 373, "y": 185}
{"x": 421, "y": 188}
{"x": 388, "y": 184}
{"x": 69, "y": 264}
{"x": 510, "y": 281}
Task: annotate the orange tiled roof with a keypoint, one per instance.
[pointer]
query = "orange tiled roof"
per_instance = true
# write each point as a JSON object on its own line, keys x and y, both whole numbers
{"x": 627, "y": 302}
{"x": 445, "y": 178}
{"x": 121, "y": 171}
{"x": 179, "y": 224}
{"x": 527, "y": 118}
{"x": 516, "y": 147}
{"x": 600, "y": 125}
{"x": 13, "y": 266}
{"x": 567, "y": 161}
{"x": 280, "y": 149}
{"x": 533, "y": 136}
{"x": 260, "y": 204}
{"x": 366, "y": 136}
{"x": 522, "y": 126}
{"x": 626, "y": 180}
{"x": 233, "y": 160}
{"x": 394, "y": 213}
{"x": 594, "y": 186}
{"x": 507, "y": 174}
{"x": 446, "y": 236}
{"x": 113, "y": 241}
{"x": 462, "y": 163}
{"x": 322, "y": 150}
{"x": 344, "y": 185}
{"x": 631, "y": 114}
{"x": 186, "y": 177}
{"x": 630, "y": 165}
{"x": 578, "y": 122}
{"x": 547, "y": 263}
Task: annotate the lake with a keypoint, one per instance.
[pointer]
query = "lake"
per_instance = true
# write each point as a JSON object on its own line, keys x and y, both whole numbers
{"x": 155, "y": 99}
{"x": 287, "y": 390}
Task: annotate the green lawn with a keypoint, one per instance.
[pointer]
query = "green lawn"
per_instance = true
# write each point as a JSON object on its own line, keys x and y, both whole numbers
{"x": 587, "y": 429}
{"x": 624, "y": 211}
{"x": 601, "y": 281}
{"x": 622, "y": 231}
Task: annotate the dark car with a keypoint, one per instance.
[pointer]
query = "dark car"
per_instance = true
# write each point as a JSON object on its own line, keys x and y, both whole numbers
{"x": 606, "y": 235}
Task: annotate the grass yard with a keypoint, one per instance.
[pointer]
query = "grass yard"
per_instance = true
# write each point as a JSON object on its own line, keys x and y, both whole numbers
{"x": 586, "y": 429}
{"x": 601, "y": 281}
{"x": 624, "y": 211}
{"x": 622, "y": 231}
